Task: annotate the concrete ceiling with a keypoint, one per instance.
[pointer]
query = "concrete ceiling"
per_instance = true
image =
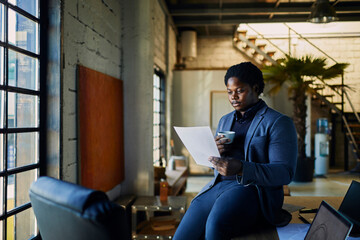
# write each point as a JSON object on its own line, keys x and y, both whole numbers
{"x": 222, "y": 17}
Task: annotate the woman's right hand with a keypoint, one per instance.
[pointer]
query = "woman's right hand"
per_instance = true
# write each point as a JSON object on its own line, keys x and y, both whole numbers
{"x": 220, "y": 143}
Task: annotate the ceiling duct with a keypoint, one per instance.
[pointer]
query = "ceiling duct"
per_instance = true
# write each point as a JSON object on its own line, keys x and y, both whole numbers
{"x": 188, "y": 45}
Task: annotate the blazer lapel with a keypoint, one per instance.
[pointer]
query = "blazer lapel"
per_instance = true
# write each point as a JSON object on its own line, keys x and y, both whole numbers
{"x": 253, "y": 126}
{"x": 227, "y": 124}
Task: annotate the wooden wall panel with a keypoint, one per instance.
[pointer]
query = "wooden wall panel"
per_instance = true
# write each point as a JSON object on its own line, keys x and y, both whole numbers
{"x": 101, "y": 141}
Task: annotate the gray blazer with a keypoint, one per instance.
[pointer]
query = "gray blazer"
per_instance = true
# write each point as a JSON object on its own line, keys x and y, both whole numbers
{"x": 270, "y": 160}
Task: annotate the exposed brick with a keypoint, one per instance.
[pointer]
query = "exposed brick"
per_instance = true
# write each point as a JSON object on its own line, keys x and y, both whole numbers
{"x": 86, "y": 13}
{"x": 71, "y": 7}
{"x": 92, "y": 37}
{"x": 159, "y": 36}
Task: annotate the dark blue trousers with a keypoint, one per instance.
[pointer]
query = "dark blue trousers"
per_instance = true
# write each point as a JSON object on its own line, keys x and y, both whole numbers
{"x": 225, "y": 211}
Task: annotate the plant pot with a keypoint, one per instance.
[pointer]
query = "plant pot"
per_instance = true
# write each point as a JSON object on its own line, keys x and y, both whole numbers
{"x": 304, "y": 170}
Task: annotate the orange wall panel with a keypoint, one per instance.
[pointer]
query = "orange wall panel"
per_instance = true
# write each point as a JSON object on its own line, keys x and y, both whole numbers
{"x": 100, "y": 126}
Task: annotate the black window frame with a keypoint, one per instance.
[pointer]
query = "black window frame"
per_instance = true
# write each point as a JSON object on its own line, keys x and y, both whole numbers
{"x": 162, "y": 136}
{"x": 41, "y": 20}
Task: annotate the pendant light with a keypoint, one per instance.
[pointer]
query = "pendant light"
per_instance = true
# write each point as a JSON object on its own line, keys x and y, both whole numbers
{"x": 322, "y": 12}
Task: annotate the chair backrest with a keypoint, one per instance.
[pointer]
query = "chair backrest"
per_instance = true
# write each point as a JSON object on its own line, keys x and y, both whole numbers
{"x": 68, "y": 211}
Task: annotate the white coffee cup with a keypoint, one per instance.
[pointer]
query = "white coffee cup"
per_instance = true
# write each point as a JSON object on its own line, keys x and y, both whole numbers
{"x": 228, "y": 134}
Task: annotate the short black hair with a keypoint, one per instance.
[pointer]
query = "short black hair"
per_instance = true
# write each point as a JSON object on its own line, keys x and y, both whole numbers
{"x": 248, "y": 73}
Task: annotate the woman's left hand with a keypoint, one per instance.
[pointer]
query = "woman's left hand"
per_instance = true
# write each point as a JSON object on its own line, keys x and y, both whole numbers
{"x": 227, "y": 166}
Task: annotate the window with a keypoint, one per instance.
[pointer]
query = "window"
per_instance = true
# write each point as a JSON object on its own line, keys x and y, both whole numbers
{"x": 159, "y": 130}
{"x": 19, "y": 115}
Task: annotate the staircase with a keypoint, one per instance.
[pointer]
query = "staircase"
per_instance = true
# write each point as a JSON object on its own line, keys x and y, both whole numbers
{"x": 350, "y": 120}
{"x": 353, "y": 136}
{"x": 247, "y": 45}
{"x": 264, "y": 52}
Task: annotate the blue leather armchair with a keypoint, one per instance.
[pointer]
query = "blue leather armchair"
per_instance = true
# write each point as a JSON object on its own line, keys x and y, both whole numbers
{"x": 68, "y": 211}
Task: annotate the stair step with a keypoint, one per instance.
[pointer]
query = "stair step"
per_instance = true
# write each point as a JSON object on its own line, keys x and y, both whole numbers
{"x": 246, "y": 47}
{"x": 328, "y": 95}
{"x": 252, "y": 39}
{"x": 242, "y": 32}
{"x": 337, "y": 85}
{"x": 236, "y": 39}
{"x": 354, "y": 134}
{"x": 354, "y": 125}
{"x": 266, "y": 62}
{"x": 357, "y": 143}
{"x": 351, "y": 142}
{"x": 271, "y": 53}
{"x": 261, "y": 46}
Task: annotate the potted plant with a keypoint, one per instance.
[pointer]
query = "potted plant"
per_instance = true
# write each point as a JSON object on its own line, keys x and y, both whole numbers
{"x": 299, "y": 74}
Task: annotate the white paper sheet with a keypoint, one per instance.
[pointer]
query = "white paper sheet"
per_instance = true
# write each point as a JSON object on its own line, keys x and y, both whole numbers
{"x": 199, "y": 141}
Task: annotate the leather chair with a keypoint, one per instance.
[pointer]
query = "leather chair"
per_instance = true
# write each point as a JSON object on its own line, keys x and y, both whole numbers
{"x": 68, "y": 211}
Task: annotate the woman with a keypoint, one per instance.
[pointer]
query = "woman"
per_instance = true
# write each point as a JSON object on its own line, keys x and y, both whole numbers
{"x": 247, "y": 188}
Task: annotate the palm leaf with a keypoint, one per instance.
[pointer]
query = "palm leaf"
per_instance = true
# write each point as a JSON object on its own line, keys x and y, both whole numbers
{"x": 334, "y": 71}
{"x": 300, "y": 73}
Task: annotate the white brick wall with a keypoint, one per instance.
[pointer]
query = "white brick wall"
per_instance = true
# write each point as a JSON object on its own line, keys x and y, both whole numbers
{"x": 343, "y": 50}
{"x": 92, "y": 37}
{"x": 215, "y": 52}
{"x": 159, "y": 24}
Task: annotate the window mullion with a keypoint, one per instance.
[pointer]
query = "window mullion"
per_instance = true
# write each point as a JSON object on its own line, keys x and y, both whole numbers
{"x": 24, "y": 13}
{"x": 23, "y": 51}
{"x": 6, "y": 74}
{"x": 21, "y": 107}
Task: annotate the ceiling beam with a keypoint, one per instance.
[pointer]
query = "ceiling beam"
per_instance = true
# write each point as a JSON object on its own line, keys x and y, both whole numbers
{"x": 252, "y": 11}
{"x": 209, "y": 18}
{"x": 234, "y": 11}
{"x": 263, "y": 19}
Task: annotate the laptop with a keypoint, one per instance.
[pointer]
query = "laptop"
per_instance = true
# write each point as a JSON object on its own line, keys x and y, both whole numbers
{"x": 328, "y": 224}
{"x": 350, "y": 207}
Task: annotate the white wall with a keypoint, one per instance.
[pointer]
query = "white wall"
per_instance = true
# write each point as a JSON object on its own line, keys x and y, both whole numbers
{"x": 215, "y": 53}
{"x": 191, "y": 105}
